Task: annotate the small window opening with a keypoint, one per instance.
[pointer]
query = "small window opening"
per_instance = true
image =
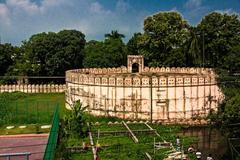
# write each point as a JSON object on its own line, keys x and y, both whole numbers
{"x": 135, "y": 68}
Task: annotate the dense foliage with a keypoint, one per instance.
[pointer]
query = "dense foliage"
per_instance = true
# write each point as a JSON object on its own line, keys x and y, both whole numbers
{"x": 163, "y": 39}
{"x": 109, "y": 53}
{"x": 8, "y": 55}
{"x": 229, "y": 110}
{"x": 50, "y": 54}
{"x": 75, "y": 122}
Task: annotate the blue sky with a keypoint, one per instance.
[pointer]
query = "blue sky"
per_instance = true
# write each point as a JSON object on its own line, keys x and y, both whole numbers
{"x": 19, "y": 19}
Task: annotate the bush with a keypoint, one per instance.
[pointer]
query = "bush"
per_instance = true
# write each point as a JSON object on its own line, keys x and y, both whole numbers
{"x": 75, "y": 121}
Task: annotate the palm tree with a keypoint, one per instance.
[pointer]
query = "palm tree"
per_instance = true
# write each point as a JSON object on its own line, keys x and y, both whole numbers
{"x": 114, "y": 35}
{"x": 193, "y": 50}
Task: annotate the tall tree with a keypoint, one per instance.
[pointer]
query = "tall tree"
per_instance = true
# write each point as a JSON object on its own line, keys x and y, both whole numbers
{"x": 192, "y": 52}
{"x": 221, "y": 32}
{"x": 48, "y": 54}
{"x": 164, "y": 36}
{"x": 109, "y": 53}
{"x": 115, "y": 49}
{"x": 114, "y": 35}
{"x": 8, "y": 55}
{"x": 132, "y": 45}
{"x": 94, "y": 52}
{"x": 69, "y": 55}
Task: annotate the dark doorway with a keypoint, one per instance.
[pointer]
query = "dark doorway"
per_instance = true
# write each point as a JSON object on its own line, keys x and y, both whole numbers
{"x": 135, "y": 68}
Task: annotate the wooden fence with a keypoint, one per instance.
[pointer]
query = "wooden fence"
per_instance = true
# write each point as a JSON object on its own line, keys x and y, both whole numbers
{"x": 34, "y": 88}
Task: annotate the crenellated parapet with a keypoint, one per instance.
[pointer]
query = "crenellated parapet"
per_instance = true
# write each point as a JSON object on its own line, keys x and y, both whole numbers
{"x": 171, "y": 79}
{"x": 123, "y": 69}
{"x": 33, "y": 88}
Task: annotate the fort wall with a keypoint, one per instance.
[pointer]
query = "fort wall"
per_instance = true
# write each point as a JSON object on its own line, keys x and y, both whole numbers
{"x": 33, "y": 88}
{"x": 151, "y": 94}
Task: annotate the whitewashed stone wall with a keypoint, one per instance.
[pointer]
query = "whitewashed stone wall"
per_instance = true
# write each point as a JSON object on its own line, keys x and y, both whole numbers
{"x": 157, "y": 93}
{"x": 34, "y": 88}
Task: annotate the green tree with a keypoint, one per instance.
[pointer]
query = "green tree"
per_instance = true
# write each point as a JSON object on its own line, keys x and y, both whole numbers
{"x": 192, "y": 52}
{"x": 231, "y": 61}
{"x": 114, "y": 35}
{"x": 132, "y": 45}
{"x": 109, "y": 53}
{"x": 232, "y": 110}
{"x": 115, "y": 49}
{"x": 69, "y": 53}
{"x": 95, "y": 55}
{"x": 220, "y": 33}
{"x": 164, "y": 36}
{"x": 51, "y": 54}
{"x": 8, "y": 55}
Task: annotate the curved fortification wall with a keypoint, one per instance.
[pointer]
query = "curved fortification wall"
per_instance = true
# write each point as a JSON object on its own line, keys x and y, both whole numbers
{"x": 150, "y": 93}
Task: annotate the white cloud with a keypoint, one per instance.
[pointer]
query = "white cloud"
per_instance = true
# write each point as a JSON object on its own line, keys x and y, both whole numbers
{"x": 193, "y": 4}
{"x": 194, "y": 10}
{"x": 52, "y": 2}
{"x": 122, "y": 6}
{"x": 4, "y": 15}
{"x": 95, "y": 7}
{"x": 23, "y": 5}
{"x": 25, "y": 17}
{"x": 174, "y": 9}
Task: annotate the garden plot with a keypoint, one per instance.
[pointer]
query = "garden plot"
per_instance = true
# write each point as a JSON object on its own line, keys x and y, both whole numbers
{"x": 130, "y": 151}
{"x": 82, "y": 156}
{"x": 121, "y": 146}
{"x": 137, "y": 126}
{"x": 108, "y": 127}
{"x": 79, "y": 148}
{"x": 113, "y": 140}
{"x": 167, "y": 132}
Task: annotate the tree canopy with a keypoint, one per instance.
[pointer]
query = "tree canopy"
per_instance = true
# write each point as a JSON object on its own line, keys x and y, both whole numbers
{"x": 51, "y": 54}
{"x": 164, "y": 35}
{"x": 221, "y": 33}
{"x": 109, "y": 53}
{"x": 8, "y": 54}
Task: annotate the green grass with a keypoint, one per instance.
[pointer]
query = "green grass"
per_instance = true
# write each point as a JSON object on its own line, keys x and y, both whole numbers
{"x": 102, "y": 119}
{"x": 137, "y": 126}
{"x": 82, "y": 156}
{"x": 106, "y": 127}
{"x": 22, "y": 108}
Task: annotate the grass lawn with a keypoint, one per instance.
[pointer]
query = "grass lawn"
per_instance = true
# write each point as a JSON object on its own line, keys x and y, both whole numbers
{"x": 105, "y": 127}
{"x": 24, "y": 109}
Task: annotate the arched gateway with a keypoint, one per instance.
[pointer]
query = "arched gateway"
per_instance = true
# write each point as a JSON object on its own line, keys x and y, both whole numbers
{"x": 153, "y": 94}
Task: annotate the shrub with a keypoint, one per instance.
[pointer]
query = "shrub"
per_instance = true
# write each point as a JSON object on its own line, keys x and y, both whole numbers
{"x": 75, "y": 122}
